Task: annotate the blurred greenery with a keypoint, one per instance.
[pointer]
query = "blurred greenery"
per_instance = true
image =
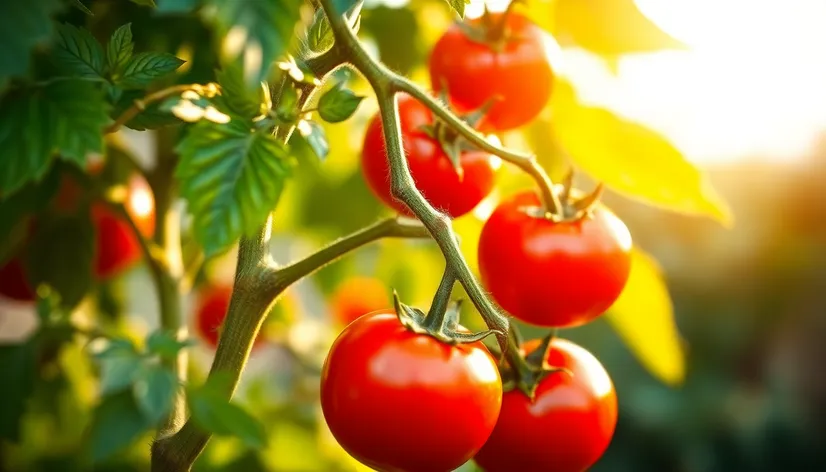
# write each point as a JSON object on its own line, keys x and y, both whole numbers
{"x": 715, "y": 349}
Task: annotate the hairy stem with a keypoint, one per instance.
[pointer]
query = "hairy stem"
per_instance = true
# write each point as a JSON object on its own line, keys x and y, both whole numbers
{"x": 436, "y": 316}
{"x": 140, "y": 105}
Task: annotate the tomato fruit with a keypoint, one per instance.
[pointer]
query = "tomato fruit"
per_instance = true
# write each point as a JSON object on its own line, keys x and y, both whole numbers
{"x": 435, "y": 176}
{"x": 566, "y": 428}
{"x": 553, "y": 274}
{"x": 518, "y": 76}
{"x": 211, "y": 305}
{"x": 400, "y": 401}
{"x": 13, "y": 281}
{"x": 117, "y": 247}
{"x": 357, "y": 296}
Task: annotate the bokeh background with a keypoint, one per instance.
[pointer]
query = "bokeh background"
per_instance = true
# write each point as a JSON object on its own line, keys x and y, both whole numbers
{"x": 738, "y": 87}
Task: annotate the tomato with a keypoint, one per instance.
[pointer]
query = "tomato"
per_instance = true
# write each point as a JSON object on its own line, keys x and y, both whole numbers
{"x": 13, "y": 281}
{"x": 357, "y": 296}
{"x": 211, "y": 308}
{"x": 553, "y": 274}
{"x": 117, "y": 247}
{"x": 566, "y": 428}
{"x": 400, "y": 401}
{"x": 434, "y": 174}
{"x": 518, "y": 76}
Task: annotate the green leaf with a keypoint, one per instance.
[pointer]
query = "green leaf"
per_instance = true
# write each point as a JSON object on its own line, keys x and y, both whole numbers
{"x": 319, "y": 34}
{"x": 120, "y": 47}
{"x": 145, "y": 67}
{"x": 287, "y": 109}
{"x": 231, "y": 177}
{"x": 242, "y": 99}
{"x": 145, "y": 3}
{"x": 80, "y": 6}
{"x": 66, "y": 117}
{"x": 78, "y": 52}
{"x": 338, "y": 104}
{"x": 23, "y": 25}
{"x": 165, "y": 345}
{"x": 152, "y": 117}
{"x": 120, "y": 365}
{"x": 643, "y": 316}
{"x": 60, "y": 255}
{"x": 155, "y": 388}
{"x": 212, "y": 411}
{"x": 117, "y": 423}
{"x": 268, "y": 28}
{"x": 315, "y": 137}
{"x": 632, "y": 159}
{"x": 18, "y": 369}
{"x": 458, "y": 6}
{"x": 175, "y": 6}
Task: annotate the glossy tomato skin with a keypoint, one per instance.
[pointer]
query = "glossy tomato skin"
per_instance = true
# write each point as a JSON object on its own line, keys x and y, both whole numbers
{"x": 430, "y": 167}
{"x": 211, "y": 307}
{"x": 13, "y": 281}
{"x": 357, "y": 296}
{"x": 553, "y": 274}
{"x": 117, "y": 247}
{"x": 520, "y": 75}
{"x": 399, "y": 401}
{"x": 567, "y": 427}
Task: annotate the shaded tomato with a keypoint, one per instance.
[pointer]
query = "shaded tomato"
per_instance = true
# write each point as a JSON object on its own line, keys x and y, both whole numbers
{"x": 211, "y": 307}
{"x": 553, "y": 274}
{"x": 357, "y": 296}
{"x": 434, "y": 174}
{"x": 518, "y": 75}
{"x": 14, "y": 283}
{"x": 400, "y": 401}
{"x": 567, "y": 427}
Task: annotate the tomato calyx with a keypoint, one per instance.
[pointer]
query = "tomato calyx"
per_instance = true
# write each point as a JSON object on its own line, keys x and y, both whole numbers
{"x": 574, "y": 205}
{"x": 526, "y": 372}
{"x": 492, "y": 29}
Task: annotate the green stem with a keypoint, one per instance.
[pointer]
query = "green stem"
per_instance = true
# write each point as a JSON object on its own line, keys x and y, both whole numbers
{"x": 437, "y": 315}
{"x": 385, "y": 84}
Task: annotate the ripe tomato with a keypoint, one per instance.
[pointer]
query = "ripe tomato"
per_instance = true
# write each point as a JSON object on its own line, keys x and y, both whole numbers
{"x": 434, "y": 174}
{"x": 400, "y": 401}
{"x": 117, "y": 247}
{"x": 553, "y": 274}
{"x": 357, "y": 296}
{"x": 566, "y": 428}
{"x": 13, "y": 281}
{"x": 211, "y": 308}
{"x": 518, "y": 76}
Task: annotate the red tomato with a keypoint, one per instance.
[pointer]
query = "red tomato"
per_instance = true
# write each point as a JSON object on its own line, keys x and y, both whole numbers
{"x": 210, "y": 310}
{"x": 519, "y": 75}
{"x": 434, "y": 174}
{"x": 553, "y": 274}
{"x": 566, "y": 428}
{"x": 117, "y": 247}
{"x": 400, "y": 401}
{"x": 13, "y": 282}
{"x": 357, "y": 296}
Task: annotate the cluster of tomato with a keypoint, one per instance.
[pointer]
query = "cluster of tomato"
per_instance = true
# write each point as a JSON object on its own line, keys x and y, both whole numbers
{"x": 401, "y": 400}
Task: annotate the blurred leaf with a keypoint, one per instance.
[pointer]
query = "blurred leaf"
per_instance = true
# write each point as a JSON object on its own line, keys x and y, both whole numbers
{"x": 120, "y": 47}
{"x": 145, "y": 67}
{"x": 60, "y": 255}
{"x": 386, "y": 25}
{"x": 152, "y": 117}
{"x": 23, "y": 26}
{"x": 18, "y": 369}
{"x": 315, "y": 137}
{"x": 117, "y": 423}
{"x": 643, "y": 316}
{"x": 165, "y": 345}
{"x": 145, "y": 3}
{"x": 65, "y": 117}
{"x": 246, "y": 101}
{"x": 458, "y": 6}
{"x": 120, "y": 364}
{"x": 632, "y": 159}
{"x": 231, "y": 177}
{"x": 319, "y": 34}
{"x": 78, "y": 52}
{"x": 338, "y": 104}
{"x": 80, "y": 6}
{"x": 175, "y": 6}
{"x": 605, "y": 27}
{"x": 16, "y": 210}
{"x": 213, "y": 412}
{"x": 268, "y": 28}
{"x": 155, "y": 388}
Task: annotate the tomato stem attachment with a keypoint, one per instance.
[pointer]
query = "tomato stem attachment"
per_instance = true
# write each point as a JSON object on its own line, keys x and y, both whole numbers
{"x": 527, "y": 371}
{"x": 438, "y": 308}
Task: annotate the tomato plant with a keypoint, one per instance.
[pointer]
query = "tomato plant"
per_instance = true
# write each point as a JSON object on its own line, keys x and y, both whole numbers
{"x": 399, "y": 400}
{"x": 502, "y": 60}
{"x": 566, "y": 427}
{"x": 548, "y": 273}
{"x": 455, "y": 189}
